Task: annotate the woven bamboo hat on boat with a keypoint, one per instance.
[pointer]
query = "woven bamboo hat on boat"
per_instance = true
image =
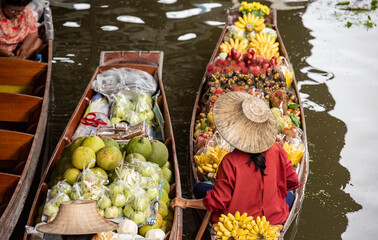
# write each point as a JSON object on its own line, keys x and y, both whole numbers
{"x": 78, "y": 217}
{"x": 245, "y": 122}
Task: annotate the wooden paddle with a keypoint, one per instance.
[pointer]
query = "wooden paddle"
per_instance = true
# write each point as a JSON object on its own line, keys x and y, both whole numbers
{"x": 204, "y": 224}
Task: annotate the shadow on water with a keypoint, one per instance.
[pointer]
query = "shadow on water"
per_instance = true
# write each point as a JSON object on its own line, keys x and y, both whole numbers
{"x": 80, "y": 36}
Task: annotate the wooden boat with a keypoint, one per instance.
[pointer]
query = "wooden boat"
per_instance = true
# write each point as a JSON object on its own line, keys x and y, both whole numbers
{"x": 24, "y": 99}
{"x": 151, "y": 62}
{"x": 303, "y": 168}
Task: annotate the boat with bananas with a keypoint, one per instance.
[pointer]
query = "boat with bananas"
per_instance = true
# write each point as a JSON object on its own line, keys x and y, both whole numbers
{"x": 115, "y": 113}
{"x": 249, "y": 57}
{"x": 24, "y": 100}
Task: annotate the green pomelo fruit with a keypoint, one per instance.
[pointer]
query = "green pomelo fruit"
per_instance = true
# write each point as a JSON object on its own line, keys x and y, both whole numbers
{"x": 166, "y": 185}
{"x": 168, "y": 165}
{"x": 110, "y": 142}
{"x": 122, "y": 148}
{"x": 108, "y": 158}
{"x": 71, "y": 175}
{"x": 169, "y": 216}
{"x": 164, "y": 197}
{"x": 66, "y": 151}
{"x": 76, "y": 143}
{"x": 82, "y": 157}
{"x": 139, "y": 145}
{"x": 111, "y": 212}
{"x": 163, "y": 209}
{"x": 104, "y": 202}
{"x": 54, "y": 174}
{"x": 93, "y": 142}
{"x": 143, "y": 230}
{"x": 100, "y": 173}
{"x": 128, "y": 211}
{"x": 152, "y": 193}
{"x": 159, "y": 154}
{"x": 61, "y": 165}
{"x": 134, "y": 156}
{"x": 167, "y": 174}
{"x": 139, "y": 217}
{"x": 101, "y": 212}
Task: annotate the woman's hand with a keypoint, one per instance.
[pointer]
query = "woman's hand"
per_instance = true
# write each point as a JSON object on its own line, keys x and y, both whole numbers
{"x": 21, "y": 52}
{"x": 178, "y": 202}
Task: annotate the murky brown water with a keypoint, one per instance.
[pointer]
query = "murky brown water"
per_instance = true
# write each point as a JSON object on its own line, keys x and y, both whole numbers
{"x": 335, "y": 66}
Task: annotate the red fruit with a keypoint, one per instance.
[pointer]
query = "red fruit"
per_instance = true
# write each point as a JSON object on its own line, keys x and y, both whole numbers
{"x": 244, "y": 56}
{"x": 266, "y": 66}
{"x": 213, "y": 99}
{"x": 254, "y": 58}
{"x": 249, "y": 63}
{"x": 234, "y": 64}
{"x": 229, "y": 59}
{"x": 235, "y": 53}
{"x": 250, "y": 68}
{"x": 279, "y": 93}
{"x": 275, "y": 99}
{"x": 218, "y": 91}
{"x": 210, "y": 68}
{"x": 260, "y": 60}
{"x": 249, "y": 56}
{"x": 216, "y": 69}
{"x": 244, "y": 70}
{"x": 273, "y": 61}
{"x": 218, "y": 62}
{"x": 269, "y": 70}
{"x": 241, "y": 64}
{"x": 226, "y": 70}
{"x": 229, "y": 54}
{"x": 234, "y": 88}
{"x": 225, "y": 63}
{"x": 240, "y": 60}
{"x": 251, "y": 51}
{"x": 264, "y": 61}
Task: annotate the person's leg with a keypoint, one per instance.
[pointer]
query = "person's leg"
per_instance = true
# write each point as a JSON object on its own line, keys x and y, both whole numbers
{"x": 200, "y": 189}
{"x": 38, "y": 43}
{"x": 290, "y": 199}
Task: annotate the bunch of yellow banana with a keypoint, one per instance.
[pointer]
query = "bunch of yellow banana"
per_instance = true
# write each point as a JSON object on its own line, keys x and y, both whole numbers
{"x": 265, "y": 46}
{"x": 250, "y": 22}
{"x": 241, "y": 46}
{"x": 244, "y": 227}
{"x": 208, "y": 162}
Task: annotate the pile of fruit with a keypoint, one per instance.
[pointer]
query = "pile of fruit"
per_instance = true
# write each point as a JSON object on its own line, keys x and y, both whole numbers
{"x": 135, "y": 187}
{"x": 248, "y": 61}
{"x": 245, "y": 227}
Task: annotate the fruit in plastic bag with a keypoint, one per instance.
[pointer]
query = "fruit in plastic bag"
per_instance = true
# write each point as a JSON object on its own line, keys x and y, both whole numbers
{"x": 141, "y": 202}
{"x": 108, "y": 158}
{"x": 118, "y": 200}
{"x": 104, "y": 202}
{"x": 134, "y": 156}
{"x": 159, "y": 153}
{"x": 139, "y": 217}
{"x": 116, "y": 188}
{"x": 61, "y": 187}
{"x": 164, "y": 197}
{"x": 50, "y": 209}
{"x": 82, "y": 156}
{"x": 61, "y": 197}
{"x": 111, "y": 212}
{"x": 100, "y": 173}
{"x": 128, "y": 211}
{"x": 152, "y": 193}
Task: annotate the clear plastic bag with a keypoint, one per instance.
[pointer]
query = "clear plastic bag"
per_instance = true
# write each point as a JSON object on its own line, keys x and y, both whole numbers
{"x": 120, "y": 79}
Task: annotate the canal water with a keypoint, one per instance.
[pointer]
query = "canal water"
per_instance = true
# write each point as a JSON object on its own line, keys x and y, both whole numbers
{"x": 335, "y": 66}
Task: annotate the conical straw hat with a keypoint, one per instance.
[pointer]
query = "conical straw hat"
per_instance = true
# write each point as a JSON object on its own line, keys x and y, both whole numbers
{"x": 78, "y": 218}
{"x": 245, "y": 122}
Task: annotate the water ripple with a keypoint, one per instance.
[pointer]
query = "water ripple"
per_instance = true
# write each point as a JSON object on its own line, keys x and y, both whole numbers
{"x": 130, "y": 19}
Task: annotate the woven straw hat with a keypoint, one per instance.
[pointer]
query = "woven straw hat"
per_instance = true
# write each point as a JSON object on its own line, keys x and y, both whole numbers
{"x": 245, "y": 122}
{"x": 78, "y": 218}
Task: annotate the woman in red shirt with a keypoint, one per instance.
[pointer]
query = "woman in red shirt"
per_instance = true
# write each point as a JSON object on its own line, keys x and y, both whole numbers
{"x": 18, "y": 29}
{"x": 257, "y": 175}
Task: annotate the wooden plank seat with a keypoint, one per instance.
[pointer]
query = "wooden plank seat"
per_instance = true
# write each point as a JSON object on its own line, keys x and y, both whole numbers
{"x": 7, "y": 187}
{"x": 18, "y": 107}
{"x": 21, "y": 76}
{"x": 14, "y": 150}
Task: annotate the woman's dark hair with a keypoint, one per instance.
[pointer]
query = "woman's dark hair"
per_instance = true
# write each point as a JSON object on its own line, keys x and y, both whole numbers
{"x": 19, "y": 3}
{"x": 259, "y": 161}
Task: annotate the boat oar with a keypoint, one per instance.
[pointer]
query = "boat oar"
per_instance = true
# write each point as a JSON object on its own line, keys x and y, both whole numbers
{"x": 204, "y": 224}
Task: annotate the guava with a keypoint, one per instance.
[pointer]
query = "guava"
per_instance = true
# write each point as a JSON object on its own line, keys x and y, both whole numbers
{"x": 141, "y": 203}
{"x": 128, "y": 211}
{"x": 93, "y": 142}
{"x": 104, "y": 202}
{"x": 139, "y": 145}
{"x": 76, "y": 143}
{"x": 118, "y": 200}
{"x": 101, "y": 212}
{"x": 115, "y": 120}
{"x": 169, "y": 216}
{"x": 159, "y": 153}
{"x": 62, "y": 198}
{"x": 74, "y": 195}
{"x": 100, "y": 173}
{"x": 111, "y": 212}
{"x": 166, "y": 185}
{"x": 152, "y": 193}
{"x": 118, "y": 111}
{"x": 50, "y": 209}
{"x": 116, "y": 188}
{"x": 71, "y": 175}
{"x": 82, "y": 156}
{"x": 163, "y": 210}
{"x": 164, "y": 197}
{"x": 134, "y": 156}
{"x": 168, "y": 165}
{"x": 128, "y": 193}
{"x": 167, "y": 174}
{"x": 139, "y": 217}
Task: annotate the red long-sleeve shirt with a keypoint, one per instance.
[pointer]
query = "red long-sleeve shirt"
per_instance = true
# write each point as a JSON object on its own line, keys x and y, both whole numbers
{"x": 238, "y": 187}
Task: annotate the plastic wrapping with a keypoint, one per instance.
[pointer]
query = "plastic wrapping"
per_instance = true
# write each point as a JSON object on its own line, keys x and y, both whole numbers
{"x": 287, "y": 69}
{"x": 117, "y": 80}
{"x": 210, "y": 156}
{"x": 96, "y": 114}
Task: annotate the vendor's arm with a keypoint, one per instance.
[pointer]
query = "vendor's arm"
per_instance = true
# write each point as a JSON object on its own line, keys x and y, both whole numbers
{"x": 291, "y": 175}
{"x": 26, "y": 49}
{"x": 188, "y": 203}
{"x": 5, "y": 53}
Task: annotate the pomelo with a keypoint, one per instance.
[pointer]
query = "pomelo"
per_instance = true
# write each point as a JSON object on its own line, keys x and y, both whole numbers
{"x": 139, "y": 145}
{"x": 108, "y": 158}
{"x": 93, "y": 142}
{"x": 159, "y": 154}
{"x": 110, "y": 142}
{"x": 134, "y": 156}
{"x": 71, "y": 175}
{"x": 164, "y": 197}
{"x": 76, "y": 143}
{"x": 167, "y": 174}
{"x": 82, "y": 157}
{"x": 66, "y": 151}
